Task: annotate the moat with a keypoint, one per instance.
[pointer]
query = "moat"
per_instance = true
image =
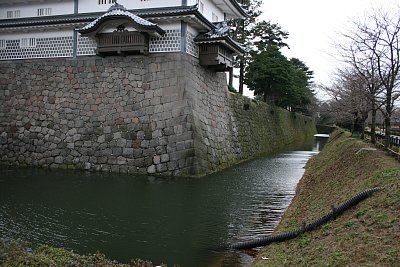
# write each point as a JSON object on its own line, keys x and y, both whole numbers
{"x": 174, "y": 220}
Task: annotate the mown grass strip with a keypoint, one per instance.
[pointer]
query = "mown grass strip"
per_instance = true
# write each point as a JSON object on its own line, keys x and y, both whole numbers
{"x": 365, "y": 235}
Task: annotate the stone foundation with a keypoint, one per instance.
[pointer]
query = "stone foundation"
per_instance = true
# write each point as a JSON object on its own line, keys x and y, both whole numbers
{"x": 157, "y": 114}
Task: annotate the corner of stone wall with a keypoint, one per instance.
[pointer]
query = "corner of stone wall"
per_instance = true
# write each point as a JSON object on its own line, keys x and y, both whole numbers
{"x": 215, "y": 141}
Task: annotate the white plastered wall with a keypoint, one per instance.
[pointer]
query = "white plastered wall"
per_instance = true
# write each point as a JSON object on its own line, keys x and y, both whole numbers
{"x": 57, "y": 8}
{"x": 191, "y": 47}
{"x": 36, "y": 34}
{"x": 209, "y": 9}
{"x": 87, "y": 6}
{"x": 94, "y": 6}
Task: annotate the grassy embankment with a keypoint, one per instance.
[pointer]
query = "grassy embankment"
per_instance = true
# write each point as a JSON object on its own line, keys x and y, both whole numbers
{"x": 365, "y": 235}
{"x": 15, "y": 253}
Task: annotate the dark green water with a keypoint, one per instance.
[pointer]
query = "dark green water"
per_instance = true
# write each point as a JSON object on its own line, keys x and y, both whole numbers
{"x": 163, "y": 220}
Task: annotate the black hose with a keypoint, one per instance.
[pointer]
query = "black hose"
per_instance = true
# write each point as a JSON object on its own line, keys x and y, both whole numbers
{"x": 266, "y": 240}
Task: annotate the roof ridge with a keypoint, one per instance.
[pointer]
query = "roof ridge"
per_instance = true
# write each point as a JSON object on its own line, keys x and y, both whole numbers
{"x": 116, "y": 11}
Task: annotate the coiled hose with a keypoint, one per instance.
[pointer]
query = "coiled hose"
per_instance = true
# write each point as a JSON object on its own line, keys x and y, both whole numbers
{"x": 263, "y": 241}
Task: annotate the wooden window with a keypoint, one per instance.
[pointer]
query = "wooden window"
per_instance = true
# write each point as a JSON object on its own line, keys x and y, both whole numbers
{"x": 27, "y": 42}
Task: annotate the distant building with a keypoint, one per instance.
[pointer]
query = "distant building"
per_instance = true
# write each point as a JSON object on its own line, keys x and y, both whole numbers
{"x": 72, "y": 28}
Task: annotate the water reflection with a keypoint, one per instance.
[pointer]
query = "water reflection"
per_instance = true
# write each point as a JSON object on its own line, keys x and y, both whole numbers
{"x": 164, "y": 220}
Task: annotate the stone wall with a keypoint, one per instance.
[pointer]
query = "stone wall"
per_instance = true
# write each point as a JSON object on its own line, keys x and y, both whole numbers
{"x": 161, "y": 114}
{"x": 230, "y": 128}
{"x": 122, "y": 114}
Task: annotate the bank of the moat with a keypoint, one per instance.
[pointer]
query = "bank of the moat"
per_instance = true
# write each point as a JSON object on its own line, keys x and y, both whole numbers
{"x": 365, "y": 235}
{"x": 157, "y": 114}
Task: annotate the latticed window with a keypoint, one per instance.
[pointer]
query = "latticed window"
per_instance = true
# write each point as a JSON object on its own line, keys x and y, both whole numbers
{"x": 102, "y": 2}
{"x": 44, "y": 11}
{"x": 13, "y": 14}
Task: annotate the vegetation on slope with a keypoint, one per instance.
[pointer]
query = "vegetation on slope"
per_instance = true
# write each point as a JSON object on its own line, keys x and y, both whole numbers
{"x": 16, "y": 253}
{"x": 365, "y": 235}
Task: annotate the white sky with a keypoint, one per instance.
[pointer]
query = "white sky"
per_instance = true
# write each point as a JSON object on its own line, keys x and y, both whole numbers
{"x": 314, "y": 26}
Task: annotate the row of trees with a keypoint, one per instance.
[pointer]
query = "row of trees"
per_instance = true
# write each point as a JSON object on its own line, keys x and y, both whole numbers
{"x": 265, "y": 70}
{"x": 369, "y": 81}
{"x": 275, "y": 79}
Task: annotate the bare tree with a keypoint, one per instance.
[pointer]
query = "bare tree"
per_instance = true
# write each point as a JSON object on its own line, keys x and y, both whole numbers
{"x": 359, "y": 53}
{"x": 387, "y": 30}
{"x": 372, "y": 49}
{"x": 348, "y": 100}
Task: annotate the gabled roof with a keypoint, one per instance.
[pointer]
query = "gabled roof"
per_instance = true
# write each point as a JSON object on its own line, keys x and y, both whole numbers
{"x": 221, "y": 34}
{"x": 117, "y": 11}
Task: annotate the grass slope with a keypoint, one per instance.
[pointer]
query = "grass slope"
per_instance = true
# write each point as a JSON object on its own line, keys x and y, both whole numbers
{"x": 17, "y": 253}
{"x": 365, "y": 235}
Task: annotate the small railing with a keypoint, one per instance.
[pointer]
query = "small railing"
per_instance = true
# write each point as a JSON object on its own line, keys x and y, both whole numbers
{"x": 380, "y": 136}
{"x": 123, "y": 42}
{"x": 225, "y": 55}
{"x": 394, "y": 140}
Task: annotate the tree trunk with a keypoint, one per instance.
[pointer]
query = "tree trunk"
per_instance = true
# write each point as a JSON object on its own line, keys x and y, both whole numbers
{"x": 241, "y": 77}
{"x": 388, "y": 115}
{"x": 373, "y": 125}
{"x": 355, "y": 128}
{"x": 387, "y": 132}
{"x": 364, "y": 117}
{"x": 230, "y": 83}
{"x": 362, "y": 133}
{"x": 242, "y": 63}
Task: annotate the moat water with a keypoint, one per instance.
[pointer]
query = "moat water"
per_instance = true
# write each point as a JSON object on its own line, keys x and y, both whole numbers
{"x": 170, "y": 220}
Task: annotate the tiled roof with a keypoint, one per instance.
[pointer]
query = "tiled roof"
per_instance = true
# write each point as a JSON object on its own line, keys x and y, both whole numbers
{"x": 221, "y": 33}
{"x": 117, "y": 11}
{"x": 221, "y": 29}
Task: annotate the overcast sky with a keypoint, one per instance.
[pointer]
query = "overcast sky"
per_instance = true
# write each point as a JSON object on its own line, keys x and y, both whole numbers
{"x": 313, "y": 26}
